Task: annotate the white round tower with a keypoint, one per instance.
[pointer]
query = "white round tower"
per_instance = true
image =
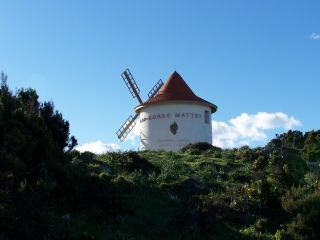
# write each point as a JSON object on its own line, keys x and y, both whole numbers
{"x": 174, "y": 117}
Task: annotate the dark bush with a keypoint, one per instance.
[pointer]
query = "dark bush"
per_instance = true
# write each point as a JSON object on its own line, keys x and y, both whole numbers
{"x": 130, "y": 161}
{"x": 303, "y": 207}
{"x": 200, "y": 146}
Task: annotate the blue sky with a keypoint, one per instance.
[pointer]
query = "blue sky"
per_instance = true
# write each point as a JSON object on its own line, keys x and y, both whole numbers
{"x": 245, "y": 56}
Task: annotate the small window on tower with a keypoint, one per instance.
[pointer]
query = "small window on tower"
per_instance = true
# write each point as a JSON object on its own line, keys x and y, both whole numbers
{"x": 206, "y": 117}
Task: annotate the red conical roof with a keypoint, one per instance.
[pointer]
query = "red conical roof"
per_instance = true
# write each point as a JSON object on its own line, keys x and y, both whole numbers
{"x": 176, "y": 89}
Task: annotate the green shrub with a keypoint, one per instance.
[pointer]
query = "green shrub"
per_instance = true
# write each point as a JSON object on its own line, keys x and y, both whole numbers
{"x": 128, "y": 162}
{"x": 199, "y": 147}
{"x": 303, "y": 207}
{"x": 258, "y": 230}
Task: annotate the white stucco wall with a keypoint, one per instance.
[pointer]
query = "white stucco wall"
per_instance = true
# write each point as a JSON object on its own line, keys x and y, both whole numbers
{"x": 159, "y": 131}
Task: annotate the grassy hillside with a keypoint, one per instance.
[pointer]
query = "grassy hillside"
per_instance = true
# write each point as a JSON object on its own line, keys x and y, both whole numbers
{"x": 194, "y": 194}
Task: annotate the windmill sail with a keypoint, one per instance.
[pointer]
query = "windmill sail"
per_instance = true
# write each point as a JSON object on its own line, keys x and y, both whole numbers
{"x": 155, "y": 89}
{"x": 129, "y": 124}
{"x": 131, "y": 84}
{"x": 126, "y": 128}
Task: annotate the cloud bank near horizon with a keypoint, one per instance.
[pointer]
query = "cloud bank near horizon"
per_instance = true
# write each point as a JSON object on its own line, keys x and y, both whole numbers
{"x": 98, "y": 147}
{"x": 246, "y": 129}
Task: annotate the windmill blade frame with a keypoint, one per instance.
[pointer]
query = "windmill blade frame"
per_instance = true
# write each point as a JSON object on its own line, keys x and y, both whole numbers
{"x": 131, "y": 84}
{"x": 126, "y": 128}
{"x": 155, "y": 89}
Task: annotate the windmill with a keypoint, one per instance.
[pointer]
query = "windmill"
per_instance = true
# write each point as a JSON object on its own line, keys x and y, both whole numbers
{"x": 129, "y": 124}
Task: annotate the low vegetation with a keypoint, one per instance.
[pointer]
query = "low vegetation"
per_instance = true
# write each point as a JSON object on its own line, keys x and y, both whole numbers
{"x": 49, "y": 191}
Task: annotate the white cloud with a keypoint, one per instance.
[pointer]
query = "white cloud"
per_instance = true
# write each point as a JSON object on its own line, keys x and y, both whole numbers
{"x": 98, "y": 147}
{"x": 315, "y": 36}
{"x": 246, "y": 128}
